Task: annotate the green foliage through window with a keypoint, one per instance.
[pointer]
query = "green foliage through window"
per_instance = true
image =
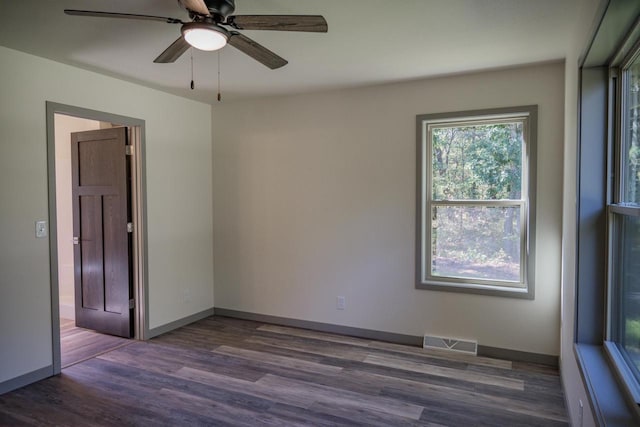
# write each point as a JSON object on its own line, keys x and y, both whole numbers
{"x": 632, "y": 146}
{"x": 482, "y": 162}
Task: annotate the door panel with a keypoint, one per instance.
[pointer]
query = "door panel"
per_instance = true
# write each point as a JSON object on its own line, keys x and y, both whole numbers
{"x": 98, "y": 160}
{"x": 116, "y": 267}
{"x": 101, "y": 208}
{"x": 91, "y": 253}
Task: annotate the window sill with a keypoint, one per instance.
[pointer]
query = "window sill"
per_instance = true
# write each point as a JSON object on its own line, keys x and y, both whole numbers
{"x": 606, "y": 395}
{"x": 496, "y": 291}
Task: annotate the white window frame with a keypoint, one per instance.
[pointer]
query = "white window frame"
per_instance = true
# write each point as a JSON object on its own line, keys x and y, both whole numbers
{"x": 524, "y": 287}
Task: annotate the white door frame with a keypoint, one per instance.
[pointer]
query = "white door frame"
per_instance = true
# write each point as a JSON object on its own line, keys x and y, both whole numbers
{"x": 139, "y": 208}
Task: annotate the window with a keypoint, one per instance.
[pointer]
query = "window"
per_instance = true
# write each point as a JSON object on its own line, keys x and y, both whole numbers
{"x": 606, "y": 270}
{"x": 624, "y": 226}
{"x": 475, "y": 208}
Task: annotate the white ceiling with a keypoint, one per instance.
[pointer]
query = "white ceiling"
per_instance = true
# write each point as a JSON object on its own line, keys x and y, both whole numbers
{"x": 369, "y": 41}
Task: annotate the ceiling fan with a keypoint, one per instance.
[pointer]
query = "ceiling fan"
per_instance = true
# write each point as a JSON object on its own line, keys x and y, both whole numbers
{"x": 212, "y": 26}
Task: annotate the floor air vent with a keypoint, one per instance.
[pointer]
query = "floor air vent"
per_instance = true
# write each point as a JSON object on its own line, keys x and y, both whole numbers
{"x": 450, "y": 344}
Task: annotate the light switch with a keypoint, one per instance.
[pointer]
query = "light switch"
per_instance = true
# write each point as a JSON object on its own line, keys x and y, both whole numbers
{"x": 41, "y": 229}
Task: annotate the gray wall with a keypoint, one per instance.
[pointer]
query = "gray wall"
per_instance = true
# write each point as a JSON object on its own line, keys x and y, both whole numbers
{"x": 314, "y": 197}
{"x": 179, "y": 194}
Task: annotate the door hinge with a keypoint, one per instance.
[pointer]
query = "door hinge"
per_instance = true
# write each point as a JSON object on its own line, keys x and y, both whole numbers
{"x": 76, "y": 240}
{"x": 128, "y": 150}
{"x": 132, "y": 304}
{"x": 129, "y": 227}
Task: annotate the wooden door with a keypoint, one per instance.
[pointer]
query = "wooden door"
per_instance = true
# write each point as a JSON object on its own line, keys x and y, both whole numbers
{"x": 102, "y": 242}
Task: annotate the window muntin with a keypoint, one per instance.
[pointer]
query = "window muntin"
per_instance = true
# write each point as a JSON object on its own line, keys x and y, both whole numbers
{"x": 474, "y": 203}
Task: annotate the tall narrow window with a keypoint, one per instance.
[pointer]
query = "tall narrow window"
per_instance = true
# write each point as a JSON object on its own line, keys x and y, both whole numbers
{"x": 607, "y": 245}
{"x": 475, "y": 210}
{"x": 624, "y": 216}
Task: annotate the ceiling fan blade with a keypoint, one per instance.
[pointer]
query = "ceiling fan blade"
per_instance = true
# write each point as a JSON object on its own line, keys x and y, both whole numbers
{"x": 122, "y": 15}
{"x": 173, "y": 52}
{"x": 308, "y": 23}
{"x": 197, "y": 6}
{"x": 256, "y": 51}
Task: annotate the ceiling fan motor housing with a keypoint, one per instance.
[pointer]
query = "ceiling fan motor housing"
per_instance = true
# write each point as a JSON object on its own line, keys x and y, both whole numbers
{"x": 221, "y": 7}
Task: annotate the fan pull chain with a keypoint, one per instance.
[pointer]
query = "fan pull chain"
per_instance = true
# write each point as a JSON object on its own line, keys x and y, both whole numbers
{"x": 193, "y": 86}
{"x": 219, "y": 95}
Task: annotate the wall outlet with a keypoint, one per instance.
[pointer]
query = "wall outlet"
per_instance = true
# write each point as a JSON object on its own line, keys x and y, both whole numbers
{"x": 341, "y": 303}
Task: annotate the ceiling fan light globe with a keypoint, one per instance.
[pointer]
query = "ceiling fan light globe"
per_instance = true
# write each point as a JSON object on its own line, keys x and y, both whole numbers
{"x": 204, "y": 37}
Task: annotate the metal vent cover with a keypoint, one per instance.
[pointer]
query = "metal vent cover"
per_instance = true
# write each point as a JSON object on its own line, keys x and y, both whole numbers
{"x": 450, "y": 344}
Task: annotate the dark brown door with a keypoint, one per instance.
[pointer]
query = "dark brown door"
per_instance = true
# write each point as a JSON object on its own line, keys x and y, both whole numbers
{"x": 101, "y": 211}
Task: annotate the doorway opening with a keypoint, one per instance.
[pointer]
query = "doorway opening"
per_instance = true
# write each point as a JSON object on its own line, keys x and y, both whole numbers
{"x": 97, "y": 232}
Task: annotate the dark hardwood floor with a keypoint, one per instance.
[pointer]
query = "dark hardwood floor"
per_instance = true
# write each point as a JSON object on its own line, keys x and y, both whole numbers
{"x": 222, "y": 371}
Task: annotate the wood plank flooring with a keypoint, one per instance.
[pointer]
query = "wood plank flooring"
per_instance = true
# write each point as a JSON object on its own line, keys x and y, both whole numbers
{"x": 78, "y": 344}
{"x": 221, "y": 371}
